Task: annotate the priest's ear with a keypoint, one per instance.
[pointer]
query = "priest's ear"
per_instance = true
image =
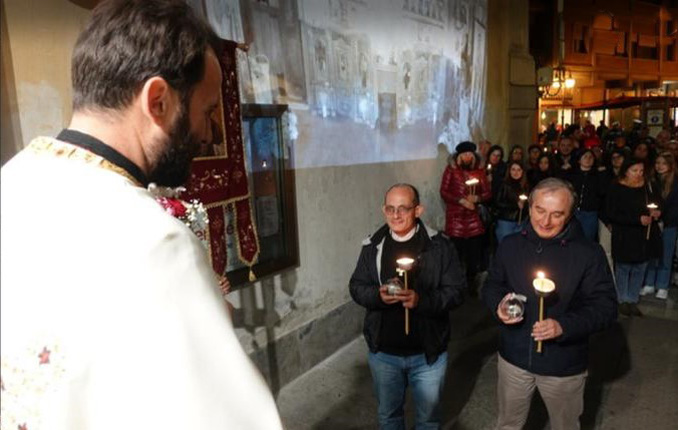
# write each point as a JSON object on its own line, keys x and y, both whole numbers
{"x": 418, "y": 210}
{"x": 159, "y": 102}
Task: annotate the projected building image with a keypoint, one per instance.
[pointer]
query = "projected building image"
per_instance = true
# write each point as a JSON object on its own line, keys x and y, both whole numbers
{"x": 369, "y": 80}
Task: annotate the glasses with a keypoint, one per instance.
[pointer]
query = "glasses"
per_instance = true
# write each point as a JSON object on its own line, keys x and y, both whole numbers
{"x": 400, "y": 210}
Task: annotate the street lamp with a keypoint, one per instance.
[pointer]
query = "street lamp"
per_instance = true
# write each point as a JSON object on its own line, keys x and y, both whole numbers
{"x": 560, "y": 78}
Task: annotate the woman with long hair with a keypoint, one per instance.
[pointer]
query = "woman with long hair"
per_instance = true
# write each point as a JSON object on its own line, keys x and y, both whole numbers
{"x": 517, "y": 153}
{"x": 635, "y": 232}
{"x": 496, "y": 167}
{"x": 545, "y": 169}
{"x": 509, "y": 208}
{"x": 658, "y": 274}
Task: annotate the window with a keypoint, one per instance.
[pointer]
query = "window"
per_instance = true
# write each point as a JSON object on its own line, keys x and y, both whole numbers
{"x": 272, "y": 192}
{"x": 581, "y": 39}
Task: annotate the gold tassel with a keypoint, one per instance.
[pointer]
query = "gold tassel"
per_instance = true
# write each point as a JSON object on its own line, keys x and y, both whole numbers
{"x": 252, "y": 276}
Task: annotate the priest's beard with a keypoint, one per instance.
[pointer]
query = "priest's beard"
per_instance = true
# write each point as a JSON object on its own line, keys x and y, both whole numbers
{"x": 174, "y": 164}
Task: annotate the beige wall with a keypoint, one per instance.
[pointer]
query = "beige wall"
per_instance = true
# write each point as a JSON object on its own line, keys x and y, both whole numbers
{"x": 511, "y": 105}
{"x": 41, "y": 34}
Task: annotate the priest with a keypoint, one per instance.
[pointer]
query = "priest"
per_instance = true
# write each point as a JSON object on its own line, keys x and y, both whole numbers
{"x": 111, "y": 315}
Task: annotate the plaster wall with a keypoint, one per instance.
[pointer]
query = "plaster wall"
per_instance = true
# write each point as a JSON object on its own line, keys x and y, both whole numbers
{"x": 511, "y": 105}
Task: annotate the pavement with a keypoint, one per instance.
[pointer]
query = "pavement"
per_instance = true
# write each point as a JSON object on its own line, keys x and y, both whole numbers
{"x": 632, "y": 384}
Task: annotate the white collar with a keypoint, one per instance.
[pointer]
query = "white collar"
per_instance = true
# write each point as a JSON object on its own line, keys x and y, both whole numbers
{"x": 405, "y": 238}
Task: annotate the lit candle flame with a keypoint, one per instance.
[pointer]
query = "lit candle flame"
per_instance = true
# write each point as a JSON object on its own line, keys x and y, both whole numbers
{"x": 523, "y": 197}
{"x": 405, "y": 263}
{"x": 541, "y": 275}
{"x": 472, "y": 181}
{"x": 652, "y": 206}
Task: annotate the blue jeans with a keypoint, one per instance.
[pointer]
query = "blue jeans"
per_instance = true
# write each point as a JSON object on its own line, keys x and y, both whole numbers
{"x": 629, "y": 279}
{"x": 659, "y": 270}
{"x": 391, "y": 374}
{"x": 589, "y": 223}
{"x": 504, "y": 228}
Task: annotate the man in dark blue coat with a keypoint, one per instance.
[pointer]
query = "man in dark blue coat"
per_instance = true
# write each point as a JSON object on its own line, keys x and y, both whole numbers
{"x": 416, "y": 357}
{"x": 584, "y": 302}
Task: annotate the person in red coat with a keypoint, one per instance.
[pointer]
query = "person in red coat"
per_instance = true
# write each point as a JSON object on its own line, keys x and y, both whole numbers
{"x": 462, "y": 221}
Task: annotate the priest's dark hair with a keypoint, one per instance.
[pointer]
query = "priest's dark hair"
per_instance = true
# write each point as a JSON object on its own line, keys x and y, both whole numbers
{"x": 126, "y": 42}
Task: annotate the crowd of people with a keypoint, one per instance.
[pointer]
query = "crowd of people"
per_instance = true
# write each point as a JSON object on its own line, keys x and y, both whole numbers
{"x": 626, "y": 199}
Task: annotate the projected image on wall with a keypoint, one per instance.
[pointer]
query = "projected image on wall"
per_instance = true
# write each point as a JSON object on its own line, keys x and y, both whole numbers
{"x": 369, "y": 81}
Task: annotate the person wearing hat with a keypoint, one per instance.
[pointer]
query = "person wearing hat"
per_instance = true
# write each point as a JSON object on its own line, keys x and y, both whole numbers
{"x": 463, "y": 223}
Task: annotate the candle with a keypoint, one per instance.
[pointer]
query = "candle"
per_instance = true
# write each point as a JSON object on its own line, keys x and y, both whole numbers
{"x": 489, "y": 167}
{"x": 522, "y": 197}
{"x": 405, "y": 264}
{"x": 472, "y": 183}
{"x": 651, "y": 207}
{"x": 542, "y": 284}
{"x": 543, "y": 287}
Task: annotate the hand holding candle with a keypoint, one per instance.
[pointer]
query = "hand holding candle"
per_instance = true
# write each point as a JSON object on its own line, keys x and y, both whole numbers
{"x": 651, "y": 207}
{"x": 405, "y": 265}
{"x": 521, "y": 198}
{"x": 543, "y": 287}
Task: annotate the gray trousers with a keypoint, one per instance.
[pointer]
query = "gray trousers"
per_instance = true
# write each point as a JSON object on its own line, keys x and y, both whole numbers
{"x": 563, "y": 396}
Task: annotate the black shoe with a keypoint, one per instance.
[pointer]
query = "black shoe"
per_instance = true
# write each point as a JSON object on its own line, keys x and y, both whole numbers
{"x": 634, "y": 310}
{"x": 625, "y": 309}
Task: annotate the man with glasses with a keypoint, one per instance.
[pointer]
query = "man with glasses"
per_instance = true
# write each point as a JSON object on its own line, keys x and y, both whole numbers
{"x": 416, "y": 357}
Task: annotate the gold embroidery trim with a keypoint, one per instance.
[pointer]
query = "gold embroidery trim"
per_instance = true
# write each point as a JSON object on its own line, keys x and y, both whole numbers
{"x": 60, "y": 149}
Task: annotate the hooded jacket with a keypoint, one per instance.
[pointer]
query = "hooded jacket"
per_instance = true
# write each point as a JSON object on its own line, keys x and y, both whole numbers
{"x": 439, "y": 284}
{"x": 584, "y": 300}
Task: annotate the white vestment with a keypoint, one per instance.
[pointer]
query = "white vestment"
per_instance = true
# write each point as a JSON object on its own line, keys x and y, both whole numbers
{"x": 111, "y": 316}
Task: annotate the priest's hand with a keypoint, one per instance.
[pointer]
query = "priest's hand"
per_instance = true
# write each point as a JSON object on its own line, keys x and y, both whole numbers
{"x": 547, "y": 329}
{"x": 224, "y": 285}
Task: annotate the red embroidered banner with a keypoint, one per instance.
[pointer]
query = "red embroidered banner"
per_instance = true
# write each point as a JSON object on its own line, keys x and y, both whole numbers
{"x": 218, "y": 177}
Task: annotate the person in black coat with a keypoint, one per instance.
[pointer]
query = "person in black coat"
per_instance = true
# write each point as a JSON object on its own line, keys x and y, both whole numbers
{"x": 417, "y": 357}
{"x": 496, "y": 167}
{"x": 564, "y": 160}
{"x": 583, "y": 302}
{"x": 636, "y": 238}
{"x": 590, "y": 190}
{"x": 510, "y": 209}
{"x": 545, "y": 169}
{"x": 658, "y": 275}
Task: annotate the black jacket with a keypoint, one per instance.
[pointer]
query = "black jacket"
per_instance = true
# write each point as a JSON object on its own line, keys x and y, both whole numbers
{"x": 670, "y": 209}
{"x": 584, "y": 301}
{"x": 590, "y": 187}
{"x": 506, "y": 203}
{"x": 624, "y": 206}
{"x": 439, "y": 284}
{"x": 498, "y": 174}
